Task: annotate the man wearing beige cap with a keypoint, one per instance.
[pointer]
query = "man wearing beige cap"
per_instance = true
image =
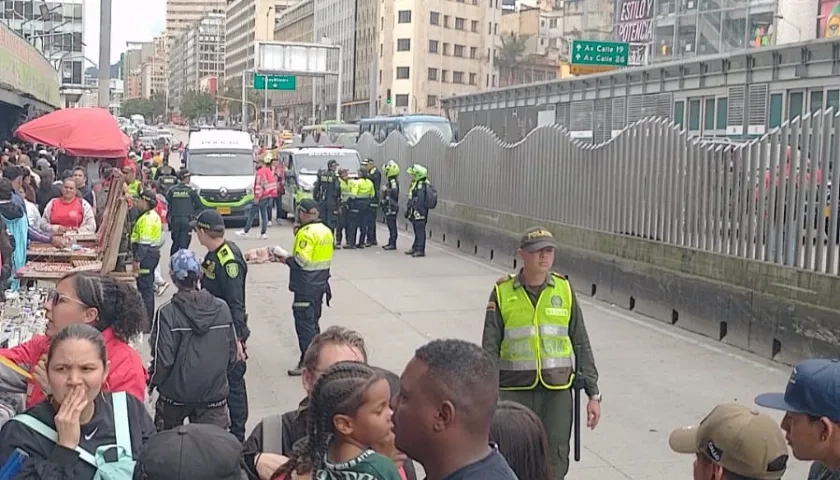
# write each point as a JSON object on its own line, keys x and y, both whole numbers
{"x": 534, "y": 328}
{"x": 734, "y": 442}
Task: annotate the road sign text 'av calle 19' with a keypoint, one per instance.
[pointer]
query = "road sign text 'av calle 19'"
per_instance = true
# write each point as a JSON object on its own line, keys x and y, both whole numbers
{"x": 610, "y": 54}
{"x": 275, "y": 82}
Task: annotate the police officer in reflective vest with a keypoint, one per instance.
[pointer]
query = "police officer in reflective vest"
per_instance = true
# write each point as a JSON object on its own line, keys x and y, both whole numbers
{"x": 345, "y": 186}
{"x": 184, "y": 205}
{"x": 534, "y": 327}
{"x": 361, "y": 195}
{"x": 327, "y": 192}
{"x": 375, "y": 177}
{"x": 417, "y": 211}
{"x": 146, "y": 240}
{"x": 391, "y": 202}
{"x": 309, "y": 274}
{"x": 224, "y": 273}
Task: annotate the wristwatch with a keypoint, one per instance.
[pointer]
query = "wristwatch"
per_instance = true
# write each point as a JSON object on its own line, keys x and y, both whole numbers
{"x": 596, "y": 397}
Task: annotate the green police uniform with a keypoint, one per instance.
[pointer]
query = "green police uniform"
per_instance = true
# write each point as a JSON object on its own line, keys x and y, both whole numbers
{"x": 534, "y": 332}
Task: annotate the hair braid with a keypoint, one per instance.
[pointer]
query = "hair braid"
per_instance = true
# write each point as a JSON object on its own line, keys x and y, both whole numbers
{"x": 340, "y": 391}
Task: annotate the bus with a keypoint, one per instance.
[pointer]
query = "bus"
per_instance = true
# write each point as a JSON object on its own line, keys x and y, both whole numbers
{"x": 413, "y": 127}
{"x": 333, "y": 129}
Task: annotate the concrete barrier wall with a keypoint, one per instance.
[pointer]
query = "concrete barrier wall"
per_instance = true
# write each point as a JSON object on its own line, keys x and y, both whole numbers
{"x": 486, "y": 188}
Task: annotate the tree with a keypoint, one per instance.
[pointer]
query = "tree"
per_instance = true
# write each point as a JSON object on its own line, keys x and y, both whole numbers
{"x": 233, "y": 94}
{"x": 197, "y": 105}
{"x": 150, "y": 108}
{"x": 510, "y": 54}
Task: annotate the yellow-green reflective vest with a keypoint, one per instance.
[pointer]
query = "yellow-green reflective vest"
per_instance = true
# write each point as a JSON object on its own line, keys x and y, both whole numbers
{"x": 345, "y": 186}
{"x": 313, "y": 248}
{"x": 536, "y": 348}
{"x": 135, "y": 188}
{"x": 148, "y": 230}
{"x": 363, "y": 188}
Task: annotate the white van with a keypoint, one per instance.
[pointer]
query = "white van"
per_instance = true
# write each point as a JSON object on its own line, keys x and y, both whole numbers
{"x": 221, "y": 163}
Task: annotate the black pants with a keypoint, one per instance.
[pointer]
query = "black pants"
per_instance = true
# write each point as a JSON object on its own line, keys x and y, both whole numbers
{"x": 307, "y": 313}
{"x": 146, "y": 285}
{"x": 352, "y": 227}
{"x": 371, "y": 224}
{"x": 238, "y": 400}
{"x": 340, "y": 225}
{"x": 391, "y": 221}
{"x": 181, "y": 234}
{"x": 327, "y": 213}
{"x": 419, "y": 244}
{"x": 168, "y": 416}
{"x": 365, "y": 223}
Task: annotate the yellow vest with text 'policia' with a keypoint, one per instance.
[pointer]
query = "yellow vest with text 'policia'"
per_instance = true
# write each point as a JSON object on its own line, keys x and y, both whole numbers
{"x": 536, "y": 348}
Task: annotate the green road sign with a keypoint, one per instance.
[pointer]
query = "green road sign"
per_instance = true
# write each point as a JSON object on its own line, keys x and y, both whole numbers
{"x": 275, "y": 82}
{"x": 608, "y": 54}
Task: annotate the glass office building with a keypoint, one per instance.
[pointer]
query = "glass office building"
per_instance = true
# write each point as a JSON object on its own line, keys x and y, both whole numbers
{"x": 55, "y": 28}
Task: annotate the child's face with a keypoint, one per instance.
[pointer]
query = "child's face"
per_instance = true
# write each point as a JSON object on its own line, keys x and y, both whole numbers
{"x": 372, "y": 422}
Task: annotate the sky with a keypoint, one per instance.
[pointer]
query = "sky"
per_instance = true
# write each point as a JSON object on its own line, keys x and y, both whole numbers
{"x": 131, "y": 20}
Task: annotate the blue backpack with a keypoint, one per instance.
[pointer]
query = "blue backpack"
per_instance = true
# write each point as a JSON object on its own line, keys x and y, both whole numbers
{"x": 123, "y": 467}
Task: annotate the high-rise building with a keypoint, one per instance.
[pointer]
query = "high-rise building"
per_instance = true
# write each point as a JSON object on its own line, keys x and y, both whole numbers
{"x": 197, "y": 53}
{"x": 183, "y": 14}
{"x": 247, "y": 22}
{"x": 153, "y": 70}
{"x": 56, "y": 28}
{"x": 434, "y": 49}
{"x": 295, "y": 24}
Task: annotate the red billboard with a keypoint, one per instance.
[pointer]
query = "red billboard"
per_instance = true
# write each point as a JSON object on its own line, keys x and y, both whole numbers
{"x": 828, "y": 22}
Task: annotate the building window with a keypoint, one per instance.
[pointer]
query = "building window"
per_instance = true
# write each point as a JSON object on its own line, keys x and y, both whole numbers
{"x": 434, "y": 18}
{"x": 473, "y": 79}
{"x": 433, "y": 73}
{"x": 404, "y": 16}
{"x": 473, "y": 52}
{"x": 458, "y": 51}
{"x": 457, "y": 77}
{"x": 433, "y": 46}
{"x": 474, "y": 26}
{"x": 431, "y": 101}
{"x": 401, "y": 100}
{"x": 403, "y": 44}
{"x": 402, "y": 73}
{"x": 552, "y": 23}
{"x": 460, "y": 23}
{"x": 444, "y": 75}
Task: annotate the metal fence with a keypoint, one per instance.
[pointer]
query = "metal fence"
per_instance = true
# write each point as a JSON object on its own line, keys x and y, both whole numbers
{"x": 773, "y": 199}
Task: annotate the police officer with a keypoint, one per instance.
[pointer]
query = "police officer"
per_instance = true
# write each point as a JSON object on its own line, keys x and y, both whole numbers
{"x": 166, "y": 177}
{"x": 224, "y": 273}
{"x": 363, "y": 195}
{"x": 534, "y": 327}
{"x": 391, "y": 202}
{"x": 345, "y": 187}
{"x": 375, "y": 176}
{"x": 184, "y": 205}
{"x": 146, "y": 240}
{"x": 309, "y": 273}
{"x": 417, "y": 211}
{"x": 327, "y": 192}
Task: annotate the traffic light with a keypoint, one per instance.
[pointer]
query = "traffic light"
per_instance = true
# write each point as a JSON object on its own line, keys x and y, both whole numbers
{"x": 388, "y": 97}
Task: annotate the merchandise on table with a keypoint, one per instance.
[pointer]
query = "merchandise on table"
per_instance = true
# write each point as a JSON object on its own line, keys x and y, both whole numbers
{"x": 48, "y": 267}
{"x": 22, "y": 316}
{"x": 87, "y": 265}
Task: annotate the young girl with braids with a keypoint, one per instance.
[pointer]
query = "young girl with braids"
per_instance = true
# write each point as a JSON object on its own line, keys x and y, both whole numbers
{"x": 348, "y": 413}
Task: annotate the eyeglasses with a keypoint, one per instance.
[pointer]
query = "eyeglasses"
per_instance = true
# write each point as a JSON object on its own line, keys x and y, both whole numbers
{"x": 54, "y": 297}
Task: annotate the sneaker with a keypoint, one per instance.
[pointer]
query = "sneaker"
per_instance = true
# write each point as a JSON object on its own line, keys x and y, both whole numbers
{"x": 161, "y": 288}
{"x": 389, "y": 247}
{"x": 241, "y": 233}
{"x": 269, "y": 223}
{"x": 409, "y": 252}
{"x": 264, "y": 237}
{"x": 297, "y": 371}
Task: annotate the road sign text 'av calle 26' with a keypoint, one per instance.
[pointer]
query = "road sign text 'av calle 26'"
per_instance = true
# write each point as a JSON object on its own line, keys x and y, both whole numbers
{"x": 609, "y": 54}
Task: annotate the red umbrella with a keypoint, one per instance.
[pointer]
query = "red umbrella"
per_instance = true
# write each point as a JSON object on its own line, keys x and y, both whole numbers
{"x": 80, "y": 132}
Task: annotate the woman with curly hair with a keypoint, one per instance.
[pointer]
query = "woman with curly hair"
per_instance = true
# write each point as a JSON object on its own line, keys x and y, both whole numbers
{"x": 113, "y": 308}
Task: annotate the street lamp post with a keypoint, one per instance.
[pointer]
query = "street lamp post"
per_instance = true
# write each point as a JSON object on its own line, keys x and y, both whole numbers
{"x": 104, "y": 98}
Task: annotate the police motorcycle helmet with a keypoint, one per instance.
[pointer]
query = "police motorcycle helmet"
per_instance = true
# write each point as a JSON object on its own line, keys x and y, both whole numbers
{"x": 419, "y": 172}
{"x": 391, "y": 169}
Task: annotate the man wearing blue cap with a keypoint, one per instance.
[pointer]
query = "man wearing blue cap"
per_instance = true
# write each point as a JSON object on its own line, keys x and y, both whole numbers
{"x": 189, "y": 336}
{"x": 811, "y": 403}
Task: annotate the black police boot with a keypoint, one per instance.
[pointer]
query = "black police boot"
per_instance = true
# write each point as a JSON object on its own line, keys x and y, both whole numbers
{"x": 389, "y": 247}
{"x": 349, "y": 247}
{"x": 297, "y": 371}
{"x": 418, "y": 254}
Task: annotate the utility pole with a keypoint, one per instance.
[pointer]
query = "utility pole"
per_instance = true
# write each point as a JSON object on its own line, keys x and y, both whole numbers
{"x": 104, "y": 97}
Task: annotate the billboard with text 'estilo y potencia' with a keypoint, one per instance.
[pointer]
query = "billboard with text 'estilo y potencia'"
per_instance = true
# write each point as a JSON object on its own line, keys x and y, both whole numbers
{"x": 634, "y": 25}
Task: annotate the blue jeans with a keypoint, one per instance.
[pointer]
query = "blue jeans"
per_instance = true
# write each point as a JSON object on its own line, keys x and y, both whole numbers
{"x": 262, "y": 206}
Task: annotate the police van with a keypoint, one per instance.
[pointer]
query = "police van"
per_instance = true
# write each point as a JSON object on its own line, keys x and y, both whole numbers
{"x": 302, "y": 165}
{"x": 221, "y": 164}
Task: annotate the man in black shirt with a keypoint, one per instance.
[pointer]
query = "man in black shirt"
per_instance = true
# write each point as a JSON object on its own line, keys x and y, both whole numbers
{"x": 184, "y": 205}
{"x": 443, "y": 412}
{"x": 224, "y": 274}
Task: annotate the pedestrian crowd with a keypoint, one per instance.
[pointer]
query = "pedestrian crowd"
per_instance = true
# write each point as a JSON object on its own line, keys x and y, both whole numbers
{"x": 501, "y": 410}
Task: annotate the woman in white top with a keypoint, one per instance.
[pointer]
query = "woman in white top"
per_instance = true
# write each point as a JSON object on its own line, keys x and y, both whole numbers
{"x": 68, "y": 212}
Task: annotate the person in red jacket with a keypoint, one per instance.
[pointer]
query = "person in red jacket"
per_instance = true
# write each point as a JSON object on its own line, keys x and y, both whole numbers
{"x": 114, "y": 308}
{"x": 265, "y": 191}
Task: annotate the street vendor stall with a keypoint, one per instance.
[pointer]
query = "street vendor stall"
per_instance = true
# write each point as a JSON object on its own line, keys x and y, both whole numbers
{"x": 97, "y": 252}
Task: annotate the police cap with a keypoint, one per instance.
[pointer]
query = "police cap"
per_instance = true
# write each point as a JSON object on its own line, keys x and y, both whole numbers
{"x": 307, "y": 205}
{"x": 536, "y": 238}
{"x": 183, "y": 173}
{"x": 209, "y": 220}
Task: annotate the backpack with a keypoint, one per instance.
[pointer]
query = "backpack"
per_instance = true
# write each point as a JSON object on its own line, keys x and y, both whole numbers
{"x": 431, "y": 196}
{"x": 123, "y": 467}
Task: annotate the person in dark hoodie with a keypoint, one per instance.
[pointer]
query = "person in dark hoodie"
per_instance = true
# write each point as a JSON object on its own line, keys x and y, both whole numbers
{"x": 195, "y": 328}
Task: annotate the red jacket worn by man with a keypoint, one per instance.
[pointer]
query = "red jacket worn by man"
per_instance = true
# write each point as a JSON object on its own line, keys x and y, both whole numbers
{"x": 265, "y": 184}
{"x": 126, "y": 373}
